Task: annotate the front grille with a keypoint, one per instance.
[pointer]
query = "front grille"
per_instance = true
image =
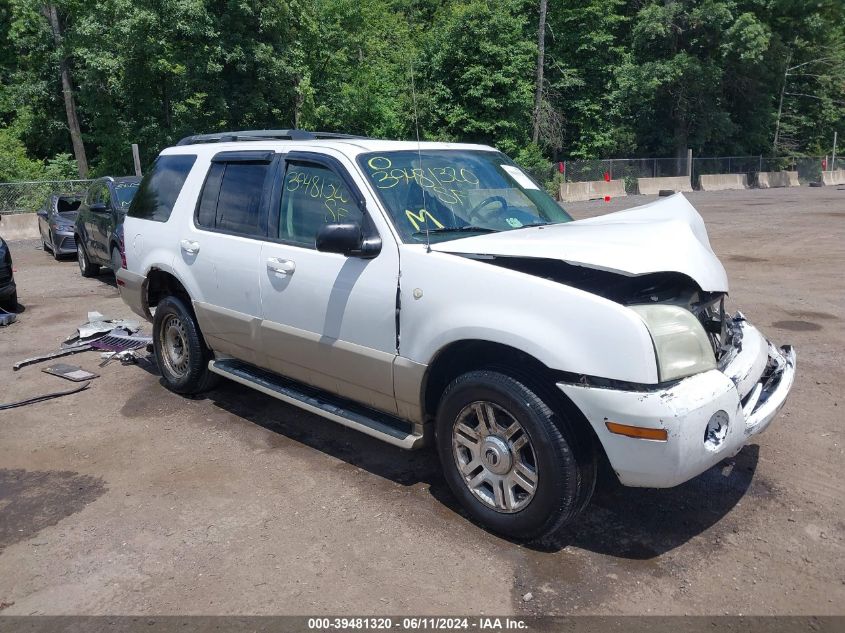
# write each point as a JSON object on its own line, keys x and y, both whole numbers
{"x": 68, "y": 243}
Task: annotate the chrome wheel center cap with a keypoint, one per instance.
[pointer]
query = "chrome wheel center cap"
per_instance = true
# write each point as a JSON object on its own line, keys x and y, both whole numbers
{"x": 496, "y": 455}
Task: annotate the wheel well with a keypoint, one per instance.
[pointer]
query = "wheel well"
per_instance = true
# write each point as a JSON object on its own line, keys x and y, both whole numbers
{"x": 161, "y": 284}
{"x": 464, "y": 356}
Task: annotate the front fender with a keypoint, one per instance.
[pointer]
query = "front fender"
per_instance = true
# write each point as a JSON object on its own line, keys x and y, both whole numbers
{"x": 448, "y": 298}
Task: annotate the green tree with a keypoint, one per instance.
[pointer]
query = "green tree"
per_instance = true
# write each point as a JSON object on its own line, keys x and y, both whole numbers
{"x": 478, "y": 63}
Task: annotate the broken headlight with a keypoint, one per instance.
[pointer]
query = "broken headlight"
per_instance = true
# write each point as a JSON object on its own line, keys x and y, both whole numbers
{"x": 680, "y": 342}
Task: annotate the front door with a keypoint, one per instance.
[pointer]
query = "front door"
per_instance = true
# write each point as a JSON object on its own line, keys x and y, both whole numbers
{"x": 327, "y": 320}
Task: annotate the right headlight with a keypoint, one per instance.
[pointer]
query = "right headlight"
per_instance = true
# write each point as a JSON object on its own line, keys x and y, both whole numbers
{"x": 680, "y": 342}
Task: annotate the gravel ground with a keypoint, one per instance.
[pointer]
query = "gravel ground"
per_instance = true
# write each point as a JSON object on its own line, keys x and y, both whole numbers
{"x": 128, "y": 499}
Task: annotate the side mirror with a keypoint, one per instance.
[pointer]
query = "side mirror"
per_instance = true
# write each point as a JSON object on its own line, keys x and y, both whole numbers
{"x": 99, "y": 207}
{"x": 345, "y": 238}
{"x": 42, "y": 213}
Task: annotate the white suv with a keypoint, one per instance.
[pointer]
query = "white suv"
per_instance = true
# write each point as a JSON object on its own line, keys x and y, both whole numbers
{"x": 417, "y": 290}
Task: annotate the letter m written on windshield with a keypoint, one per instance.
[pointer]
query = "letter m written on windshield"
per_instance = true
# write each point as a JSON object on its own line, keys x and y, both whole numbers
{"x": 421, "y": 219}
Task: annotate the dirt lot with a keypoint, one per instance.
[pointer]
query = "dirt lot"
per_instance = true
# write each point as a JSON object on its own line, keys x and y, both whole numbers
{"x": 128, "y": 499}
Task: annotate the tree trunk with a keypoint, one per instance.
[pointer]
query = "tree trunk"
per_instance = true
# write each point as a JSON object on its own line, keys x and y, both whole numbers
{"x": 541, "y": 54}
{"x": 49, "y": 11}
{"x": 298, "y": 99}
{"x": 780, "y": 105}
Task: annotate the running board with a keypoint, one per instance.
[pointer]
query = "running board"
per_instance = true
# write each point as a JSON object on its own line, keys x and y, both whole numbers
{"x": 374, "y": 423}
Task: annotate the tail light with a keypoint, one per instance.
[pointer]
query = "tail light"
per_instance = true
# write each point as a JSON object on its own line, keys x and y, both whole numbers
{"x": 122, "y": 248}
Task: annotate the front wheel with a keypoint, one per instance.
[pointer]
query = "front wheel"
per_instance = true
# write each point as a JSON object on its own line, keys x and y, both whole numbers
{"x": 516, "y": 464}
{"x": 180, "y": 352}
{"x": 53, "y": 248}
{"x": 116, "y": 260}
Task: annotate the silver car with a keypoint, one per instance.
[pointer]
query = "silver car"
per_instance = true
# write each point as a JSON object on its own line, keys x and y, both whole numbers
{"x": 55, "y": 223}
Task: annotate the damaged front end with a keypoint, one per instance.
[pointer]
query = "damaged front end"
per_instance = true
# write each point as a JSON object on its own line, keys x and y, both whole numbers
{"x": 718, "y": 382}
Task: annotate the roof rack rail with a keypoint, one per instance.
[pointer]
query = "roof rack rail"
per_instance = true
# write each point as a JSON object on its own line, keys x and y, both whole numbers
{"x": 262, "y": 135}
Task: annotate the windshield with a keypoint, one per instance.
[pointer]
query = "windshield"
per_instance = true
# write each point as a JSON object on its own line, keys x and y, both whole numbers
{"x": 124, "y": 192}
{"x": 456, "y": 193}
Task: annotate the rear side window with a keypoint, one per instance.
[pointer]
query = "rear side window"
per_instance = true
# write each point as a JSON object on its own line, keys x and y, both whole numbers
{"x": 160, "y": 187}
{"x": 231, "y": 200}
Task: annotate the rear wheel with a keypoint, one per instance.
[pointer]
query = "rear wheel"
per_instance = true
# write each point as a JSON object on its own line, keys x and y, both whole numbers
{"x": 85, "y": 266}
{"x": 10, "y": 303}
{"x": 516, "y": 464}
{"x": 181, "y": 353}
{"x": 116, "y": 260}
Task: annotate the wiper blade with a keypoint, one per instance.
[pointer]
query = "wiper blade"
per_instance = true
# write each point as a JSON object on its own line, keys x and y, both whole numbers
{"x": 528, "y": 226}
{"x": 456, "y": 229}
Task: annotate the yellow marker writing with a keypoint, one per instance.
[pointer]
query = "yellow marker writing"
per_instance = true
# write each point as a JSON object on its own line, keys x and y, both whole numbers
{"x": 420, "y": 218}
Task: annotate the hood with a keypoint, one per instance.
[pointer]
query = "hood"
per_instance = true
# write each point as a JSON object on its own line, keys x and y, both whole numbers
{"x": 664, "y": 236}
{"x": 68, "y": 216}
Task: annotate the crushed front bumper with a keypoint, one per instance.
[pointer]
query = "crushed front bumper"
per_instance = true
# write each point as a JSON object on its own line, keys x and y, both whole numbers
{"x": 707, "y": 417}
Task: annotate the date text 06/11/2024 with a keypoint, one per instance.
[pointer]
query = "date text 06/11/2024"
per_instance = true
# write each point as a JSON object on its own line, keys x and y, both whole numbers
{"x": 417, "y": 623}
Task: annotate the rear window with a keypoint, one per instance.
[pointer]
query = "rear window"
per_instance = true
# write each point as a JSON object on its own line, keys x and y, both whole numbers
{"x": 231, "y": 198}
{"x": 161, "y": 186}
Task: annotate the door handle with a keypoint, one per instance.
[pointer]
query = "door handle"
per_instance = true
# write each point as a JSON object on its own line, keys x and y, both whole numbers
{"x": 192, "y": 248}
{"x": 281, "y": 266}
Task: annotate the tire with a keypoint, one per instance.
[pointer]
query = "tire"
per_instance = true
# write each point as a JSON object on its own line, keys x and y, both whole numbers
{"x": 116, "y": 260}
{"x": 56, "y": 255}
{"x": 10, "y": 303}
{"x": 180, "y": 350}
{"x": 85, "y": 266}
{"x": 560, "y": 455}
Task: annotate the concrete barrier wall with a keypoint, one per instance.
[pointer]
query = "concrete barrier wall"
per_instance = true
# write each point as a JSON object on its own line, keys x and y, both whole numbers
{"x": 723, "y": 182}
{"x": 834, "y": 177}
{"x": 591, "y": 190}
{"x": 653, "y": 186}
{"x": 21, "y": 226}
{"x": 771, "y": 179}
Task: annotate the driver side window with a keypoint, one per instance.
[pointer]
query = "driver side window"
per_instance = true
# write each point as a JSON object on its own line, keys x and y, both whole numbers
{"x": 313, "y": 196}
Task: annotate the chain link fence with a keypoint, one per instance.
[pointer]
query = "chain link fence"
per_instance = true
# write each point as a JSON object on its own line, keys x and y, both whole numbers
{"x": 629, "y": 170}
{"x": 28, "y": 197}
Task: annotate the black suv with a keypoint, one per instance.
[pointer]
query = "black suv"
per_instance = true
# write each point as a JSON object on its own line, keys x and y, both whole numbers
{"x": 98, "y": 241}
{"x": 8, "y": 290}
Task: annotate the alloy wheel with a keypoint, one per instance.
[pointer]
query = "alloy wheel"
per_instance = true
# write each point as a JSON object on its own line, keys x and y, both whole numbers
{"x": 494, "y": 454}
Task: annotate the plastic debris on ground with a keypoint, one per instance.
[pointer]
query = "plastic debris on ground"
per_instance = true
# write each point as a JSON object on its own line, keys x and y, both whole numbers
{"x": 70, "y": 372}
{"x": 48, "y": 396}
{"x": 98, "y": 325}
{"x": 126, "y": 357}
{"x": 99, "y": 332}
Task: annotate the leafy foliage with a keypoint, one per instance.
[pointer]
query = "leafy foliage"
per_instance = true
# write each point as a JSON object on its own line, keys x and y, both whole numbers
{"x": 622, "y": 77}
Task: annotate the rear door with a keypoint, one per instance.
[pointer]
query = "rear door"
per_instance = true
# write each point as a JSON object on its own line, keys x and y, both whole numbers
{"x": 88, "y": 219}
{"x": 222, "y": 249}
{"x": 97, "y": 222}
{"x": 327, "y": 320}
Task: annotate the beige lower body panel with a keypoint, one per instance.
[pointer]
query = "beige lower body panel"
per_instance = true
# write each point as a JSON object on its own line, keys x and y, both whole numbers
{"x": 229, "y": 332}
{"x": 408, "y": 379}
{"x": 377, "y": 379}
{"x": 329, "y": 364}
